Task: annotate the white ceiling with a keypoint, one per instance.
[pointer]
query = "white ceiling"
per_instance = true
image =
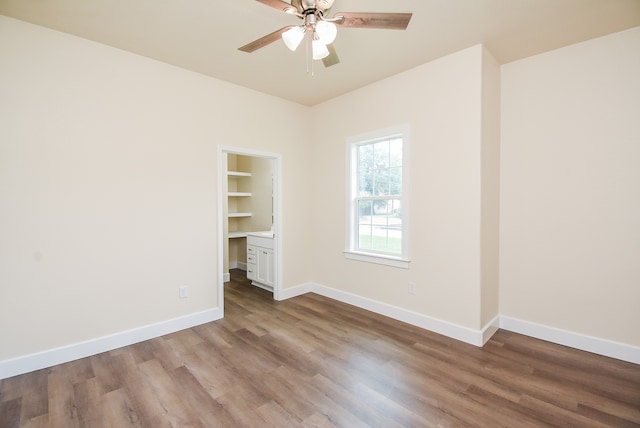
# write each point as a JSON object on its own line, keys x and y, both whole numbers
{"x": 203, "y": 35}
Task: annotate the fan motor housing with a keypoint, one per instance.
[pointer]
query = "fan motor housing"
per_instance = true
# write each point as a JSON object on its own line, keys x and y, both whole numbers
{"x": 305, "y": 6}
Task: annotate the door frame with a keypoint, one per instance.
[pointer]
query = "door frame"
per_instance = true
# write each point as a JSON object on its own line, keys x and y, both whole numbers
{"x": 277, "y": 209}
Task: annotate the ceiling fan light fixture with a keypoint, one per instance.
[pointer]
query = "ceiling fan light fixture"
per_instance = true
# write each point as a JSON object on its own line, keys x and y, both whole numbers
{"x": 319, "y": 49}
{"x": 292, "y": 37}
{"x": 320, "y": 29}
{"x": 327, "y": 31}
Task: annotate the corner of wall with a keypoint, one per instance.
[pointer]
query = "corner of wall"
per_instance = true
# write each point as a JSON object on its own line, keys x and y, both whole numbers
{"x": 490, "y": 187}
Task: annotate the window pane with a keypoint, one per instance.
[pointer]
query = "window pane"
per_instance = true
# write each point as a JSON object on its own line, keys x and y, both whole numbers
{"x": 395, "y": 228}
{"x": 381, "y": 181}
{"x": 377, "y": 178}
{"x": 365, "y": 170}
{"x": 381, "y": 154}
{"x": 395, "y": 181}
{"x": 365, "y": 232}
{"x": 365, "y": 184}
{"x": 380, "y": 222}
{"x": 380, "y": 226}
{"x": 381, "y": 168}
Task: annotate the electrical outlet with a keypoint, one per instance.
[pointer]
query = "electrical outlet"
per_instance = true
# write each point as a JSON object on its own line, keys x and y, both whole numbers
{"x": 183, "y": 292}
{"x": 411, "y": 289}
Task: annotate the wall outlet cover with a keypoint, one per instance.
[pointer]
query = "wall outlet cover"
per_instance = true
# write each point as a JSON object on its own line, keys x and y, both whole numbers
{"x": 183, "y": 292}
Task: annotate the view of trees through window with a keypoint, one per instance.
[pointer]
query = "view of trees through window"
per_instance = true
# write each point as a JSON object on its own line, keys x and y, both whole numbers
{"x": 379, "y": 194}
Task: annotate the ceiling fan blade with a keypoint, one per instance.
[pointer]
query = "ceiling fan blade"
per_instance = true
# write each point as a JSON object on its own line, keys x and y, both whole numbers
{"x": 263, "y": 41}
{"x": 282, "y": 6}
{"x": 391, "y": 21}
{"x": 332, "y": 58}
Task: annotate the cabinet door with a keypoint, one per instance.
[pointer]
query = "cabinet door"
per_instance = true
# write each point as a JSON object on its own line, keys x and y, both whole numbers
{"x": 270, "y": 276}
{"x": 264, "y": 270}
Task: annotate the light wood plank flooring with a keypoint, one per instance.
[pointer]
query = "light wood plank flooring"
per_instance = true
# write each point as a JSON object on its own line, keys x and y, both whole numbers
{"x": 313, "y": 362}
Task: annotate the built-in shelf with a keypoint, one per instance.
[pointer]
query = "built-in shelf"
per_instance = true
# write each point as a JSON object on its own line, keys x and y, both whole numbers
{"x": 237, "y": 177}
{"x": 239, "y": 214}
{"x": 238, "y": 202}
{"x": 233, "y": 235}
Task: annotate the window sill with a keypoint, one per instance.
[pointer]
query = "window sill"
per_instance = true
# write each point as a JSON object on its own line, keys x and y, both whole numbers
{"x": 378, "y": 259}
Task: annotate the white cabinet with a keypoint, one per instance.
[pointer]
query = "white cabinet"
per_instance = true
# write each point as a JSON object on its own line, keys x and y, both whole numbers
{"x": 260, "y": 259}
{"x": 264, "y": 266}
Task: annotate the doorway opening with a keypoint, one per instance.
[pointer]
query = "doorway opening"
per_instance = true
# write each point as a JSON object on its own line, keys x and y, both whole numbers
{"x": 249, "y": 225}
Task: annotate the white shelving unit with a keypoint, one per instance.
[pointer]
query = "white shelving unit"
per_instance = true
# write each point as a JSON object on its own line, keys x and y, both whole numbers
{"x": 249, "y": 197}
{"x": 234, "y": 178}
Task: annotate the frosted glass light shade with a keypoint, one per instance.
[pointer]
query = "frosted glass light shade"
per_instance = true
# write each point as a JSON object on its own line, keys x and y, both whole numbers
{"x": 326, "y": 31}
{"x": 292, "y": 37}
{"x": 319, "y": 49}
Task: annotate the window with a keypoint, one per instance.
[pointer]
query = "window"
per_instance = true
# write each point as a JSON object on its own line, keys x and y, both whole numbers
{"x": 378, "y": 197}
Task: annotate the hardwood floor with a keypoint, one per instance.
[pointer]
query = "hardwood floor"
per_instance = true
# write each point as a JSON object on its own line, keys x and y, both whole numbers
{"x": 314, "y": 362}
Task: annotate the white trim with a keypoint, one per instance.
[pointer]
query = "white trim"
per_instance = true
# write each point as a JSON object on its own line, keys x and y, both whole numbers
{"x": 65, "y": 354}
{"x": 237, "y": 265}
{"x": 226, "y": 277}
{"x": 596, "y": 345}
{"x": 298, "y": 290}
{"x": 378, "y": 259}
{"x": 454, "y": 331}
{"x": 221, "y": 191}
{"x": 608, "y": 348}
{"x": 350, "y": 252}
{"x": 490, "y": 329}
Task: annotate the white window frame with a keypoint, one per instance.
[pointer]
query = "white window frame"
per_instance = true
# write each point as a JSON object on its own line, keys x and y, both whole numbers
{"x": 352, "y": 227}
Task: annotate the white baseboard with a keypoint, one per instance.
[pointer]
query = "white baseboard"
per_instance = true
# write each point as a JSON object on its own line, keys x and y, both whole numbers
{"x": 490, "y": 329}
{"x": 298, "y": 290}
{"x": 592, "y": 344}
{"x": 226, "y": 277}
{"x": 64, "y": 354}
{"x": 596, "y": 345}
{"x": 464, "y": 334}
{"x": 238, "y": 265}
{"x": 621, "y": 351}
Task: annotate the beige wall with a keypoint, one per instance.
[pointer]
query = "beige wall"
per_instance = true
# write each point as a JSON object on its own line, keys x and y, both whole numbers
{"x": 570, "y": 203}
{"x": 441, "y": 102}
{"x": 490, "y": 184}
{"x": 108, "y": 186}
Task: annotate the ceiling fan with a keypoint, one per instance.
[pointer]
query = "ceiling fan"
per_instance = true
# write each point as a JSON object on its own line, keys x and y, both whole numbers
{"x": 322, "y": 29}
